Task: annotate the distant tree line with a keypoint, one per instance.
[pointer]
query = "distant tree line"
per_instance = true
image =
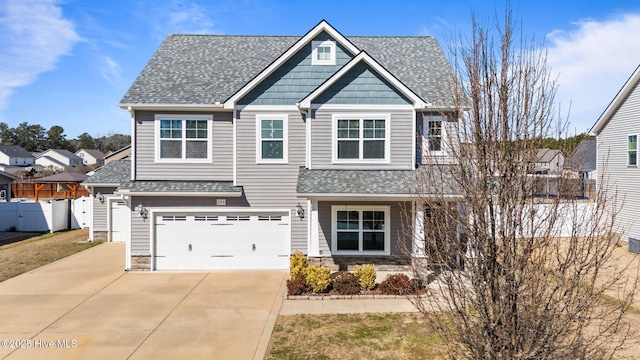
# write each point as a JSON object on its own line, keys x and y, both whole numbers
{"x": 568, "y": 145}
{"x": 34, "y": 137}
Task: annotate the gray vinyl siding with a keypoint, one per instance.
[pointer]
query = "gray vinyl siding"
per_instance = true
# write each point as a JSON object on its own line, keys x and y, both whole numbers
{"x": 397, "y": 209}
{"x": 401, "y": 139}
{"x": 100, "y": 210}
{"x": 362, "y": 85}
{"x": 612, "y": 162}
{"x": 296, "y": 78}
{"x": 221, "y": 169}
{"x": 272, "y": 185}
{"x": 140, "y": 231}
{"x": 451, "y": 140}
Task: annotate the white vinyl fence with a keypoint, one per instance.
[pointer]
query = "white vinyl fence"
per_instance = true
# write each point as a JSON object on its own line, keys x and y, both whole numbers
{"x": 44, "y": 216}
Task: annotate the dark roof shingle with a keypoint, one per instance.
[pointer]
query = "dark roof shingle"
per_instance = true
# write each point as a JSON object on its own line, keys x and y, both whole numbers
{"x": 115, "y": 173}
{"x": 208, "y": 69}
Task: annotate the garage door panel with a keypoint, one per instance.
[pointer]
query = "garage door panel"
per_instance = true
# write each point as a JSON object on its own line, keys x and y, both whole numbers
{"x": 218, "y": 242}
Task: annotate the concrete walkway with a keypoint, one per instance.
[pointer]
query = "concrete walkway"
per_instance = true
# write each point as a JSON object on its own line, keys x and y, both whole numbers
{"x": 86, "y": 307}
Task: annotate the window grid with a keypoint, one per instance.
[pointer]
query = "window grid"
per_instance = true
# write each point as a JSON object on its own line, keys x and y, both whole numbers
{"x": 360, "y": 230}
{"x": 632, "y": 150}
{"x": 183, "y": 139}
{"x": 361, "y": 139}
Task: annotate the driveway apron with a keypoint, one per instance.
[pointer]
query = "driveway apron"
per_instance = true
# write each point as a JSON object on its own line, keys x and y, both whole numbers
{"x": 87, "y": 307}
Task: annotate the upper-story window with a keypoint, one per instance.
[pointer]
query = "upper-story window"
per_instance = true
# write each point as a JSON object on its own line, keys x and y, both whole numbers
{"x": 433, "y": 133}
{"x": 323, "y": 52}
{"x": 632, "y": 150}
{"x": 183, "y": 138}
{"x": 272, "y": 139}
{"x": 361, "y": 138}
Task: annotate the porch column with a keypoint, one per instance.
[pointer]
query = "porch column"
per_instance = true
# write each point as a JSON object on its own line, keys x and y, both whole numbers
{"x": 314, "y": 228}
{"x": 418, "y": 230}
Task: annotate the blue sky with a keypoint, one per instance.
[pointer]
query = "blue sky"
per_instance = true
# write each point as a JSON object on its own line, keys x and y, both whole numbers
{"x": 69, "y": 62}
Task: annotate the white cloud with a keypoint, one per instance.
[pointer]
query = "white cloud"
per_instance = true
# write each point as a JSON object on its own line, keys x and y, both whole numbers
{"x": 593, "y": 62}
{"x": 33, "y": 36}
{"x": 111, "y": 71}
{"x": 179, "y": 17}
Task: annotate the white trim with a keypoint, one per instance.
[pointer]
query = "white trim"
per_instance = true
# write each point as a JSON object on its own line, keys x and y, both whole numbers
{"x": 308, "y": 137}
{"x": 417, "y": 245}
{"x": 359, "y": 107}
{"x": 173, "y": 107}
{"x": 414, "y": 149}
{"x": 322, "y": 26}
{"x": 617, "y": 101}
{"x": 183, "y": 121}
{"x": 426, "y": 118}
{"x": 361, "y": 118}
{"x": 281, "y": 108}
{"x": 332, "y": 52}
{"x": 235, "y": 149}
{"x": 92, "y": 197}
{"x": 627, "y": 150}
{"x": 360, "y": 209}
{"x": 314, "y": 228}
{"x": 285, "y": 138}
{"x": 371, "y": 197}
{"x": 198, "y": 194}
{"x": 418, "y": 103}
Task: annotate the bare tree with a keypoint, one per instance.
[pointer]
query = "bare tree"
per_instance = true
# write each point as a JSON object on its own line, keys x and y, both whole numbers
{"x": 516, "y": 277}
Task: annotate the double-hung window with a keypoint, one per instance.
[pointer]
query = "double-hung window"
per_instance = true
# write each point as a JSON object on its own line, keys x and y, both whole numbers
{"x": 271, "y": 139}
{"x": 432, "y": 133}
{"x": 360, "y": 229}
{"x": 183, "y": 138}
{"x": 632, "y": 150}
{"x": 323, "y": 52}
{"x": 363, "y": 139}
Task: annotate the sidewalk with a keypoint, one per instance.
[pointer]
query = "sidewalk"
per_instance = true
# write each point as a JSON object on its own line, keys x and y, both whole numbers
{"x": 345, "y": 306}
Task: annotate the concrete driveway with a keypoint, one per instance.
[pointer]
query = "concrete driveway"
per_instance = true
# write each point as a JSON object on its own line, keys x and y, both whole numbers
{"x": 87, "y": 307}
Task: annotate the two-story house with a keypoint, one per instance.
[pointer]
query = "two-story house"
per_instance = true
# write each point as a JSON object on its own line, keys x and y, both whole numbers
{"x": 58, "y": 159}
{"x": 617, "y": 132}
{"x": 13, "y": 158}
{"x": 91, "y": 156}
{"x": 247, "y": 148}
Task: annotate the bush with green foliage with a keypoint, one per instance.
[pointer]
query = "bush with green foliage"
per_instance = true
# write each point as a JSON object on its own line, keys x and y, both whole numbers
{"x": 318, "y": 277}
{"x": 297, "y": 263}
{"x": 366, "y": 275}
{"x": 345, "y": 283}
{"x": 297, "y": 285}
{"x": 396, "y": 284}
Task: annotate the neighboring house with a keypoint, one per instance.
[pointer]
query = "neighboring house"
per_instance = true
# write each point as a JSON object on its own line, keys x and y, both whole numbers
{"x": 5, "y": 185}
{"x": 13, "y": 158}
{"x": 617, "y": 132}
{"x": 124, "y": 153}
{"x": 58, "y": 159}
{"x": 247, "y": 148}
{"x": 549, "y": 161}
{"x": 583, "y": 160}
{"x": 91, "y": 156}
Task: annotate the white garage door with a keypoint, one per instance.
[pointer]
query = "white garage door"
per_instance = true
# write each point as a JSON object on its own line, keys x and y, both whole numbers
{"x": 221, "y": 242}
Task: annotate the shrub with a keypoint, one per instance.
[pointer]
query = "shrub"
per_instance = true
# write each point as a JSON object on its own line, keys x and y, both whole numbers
{"x": 396, "y": 284}
{"x": 366, "y": 275}
{"x": 345, "y": 283}
{"x": 318, "y": 277}
{"x": 297, "y": 263}
{"x": 297, "y": 284}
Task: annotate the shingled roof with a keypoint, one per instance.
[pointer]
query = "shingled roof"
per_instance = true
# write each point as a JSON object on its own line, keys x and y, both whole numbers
{"x": 376, "y": 182}
{"x": 208, "y": 69}
{"x": 114, "y": 173}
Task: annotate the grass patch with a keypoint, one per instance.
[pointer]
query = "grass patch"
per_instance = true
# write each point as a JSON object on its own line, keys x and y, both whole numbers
{"x": 26, "y": 255}
{"x": 354, "y": 336}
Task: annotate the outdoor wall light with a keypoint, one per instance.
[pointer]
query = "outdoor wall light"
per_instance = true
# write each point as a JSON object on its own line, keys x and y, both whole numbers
{"x": 300, "y": 211}
{"x": 100, "y": 198}
{"x": 142, "y": 211}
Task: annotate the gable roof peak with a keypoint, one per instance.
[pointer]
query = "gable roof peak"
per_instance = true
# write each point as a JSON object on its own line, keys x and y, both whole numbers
{"x": 622, "y": 94}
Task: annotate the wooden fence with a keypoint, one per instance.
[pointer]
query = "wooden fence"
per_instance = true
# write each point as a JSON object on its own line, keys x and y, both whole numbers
{"x": 27, "y": 190}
